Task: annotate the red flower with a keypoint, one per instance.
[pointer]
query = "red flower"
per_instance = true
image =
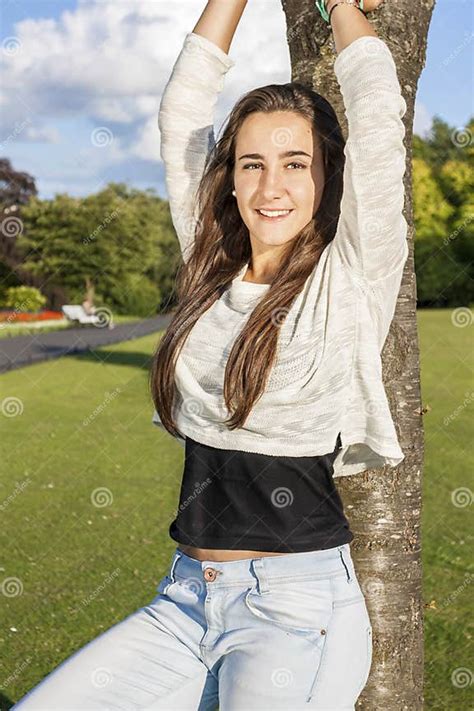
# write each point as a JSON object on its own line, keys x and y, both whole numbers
{"x": 25, "y": 316}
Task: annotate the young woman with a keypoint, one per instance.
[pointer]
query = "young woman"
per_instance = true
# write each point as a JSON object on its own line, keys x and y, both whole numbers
{"x": 293, "y": 245}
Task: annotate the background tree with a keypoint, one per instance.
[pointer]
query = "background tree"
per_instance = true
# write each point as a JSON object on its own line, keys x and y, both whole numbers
{"x": 108, "y": 243}
{"x": 445, "y": 143}
{"x": 444, "y": 244}
{"x": 16, "y": 189}
{"x": 457, "y": 180}
{"x": 384, "y": 508}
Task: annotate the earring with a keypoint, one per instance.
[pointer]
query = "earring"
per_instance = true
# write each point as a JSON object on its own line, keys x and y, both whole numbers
{"x": 233, "y": 193}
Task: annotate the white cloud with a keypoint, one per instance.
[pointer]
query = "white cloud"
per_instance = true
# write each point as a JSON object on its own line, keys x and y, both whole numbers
{"x": 45, "y": 134}
{"x": 109, "y": 61}
{"x": 106, "y": 63}
{"x": 422, "y": 120}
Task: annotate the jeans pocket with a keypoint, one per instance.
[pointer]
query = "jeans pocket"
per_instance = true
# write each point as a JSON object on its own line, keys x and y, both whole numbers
{"x": 303, "y": 608}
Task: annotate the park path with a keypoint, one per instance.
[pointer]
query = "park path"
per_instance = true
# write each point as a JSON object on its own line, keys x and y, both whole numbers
{"x": 20, "y": 351}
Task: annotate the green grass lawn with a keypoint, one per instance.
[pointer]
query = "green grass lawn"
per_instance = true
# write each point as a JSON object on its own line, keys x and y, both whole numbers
{"x": 70, "y": 568}
{"x": 447, "y": 360}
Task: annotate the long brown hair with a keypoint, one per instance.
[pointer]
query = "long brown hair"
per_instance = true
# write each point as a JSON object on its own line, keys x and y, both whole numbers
{"x": 222, "y": 247}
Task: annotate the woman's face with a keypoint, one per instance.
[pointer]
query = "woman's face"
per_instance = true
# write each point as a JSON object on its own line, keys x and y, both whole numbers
{"x": 266, "y": 176}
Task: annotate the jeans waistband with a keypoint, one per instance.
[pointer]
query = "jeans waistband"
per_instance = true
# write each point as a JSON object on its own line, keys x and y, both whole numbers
{"x": 327, "y": 563}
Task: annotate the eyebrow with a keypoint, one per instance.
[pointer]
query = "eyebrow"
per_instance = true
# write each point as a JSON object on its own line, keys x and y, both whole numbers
{"x": 286, "y": 154}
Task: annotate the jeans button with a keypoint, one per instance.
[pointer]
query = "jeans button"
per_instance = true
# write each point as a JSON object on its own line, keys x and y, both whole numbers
{"x": 210, "y": 574}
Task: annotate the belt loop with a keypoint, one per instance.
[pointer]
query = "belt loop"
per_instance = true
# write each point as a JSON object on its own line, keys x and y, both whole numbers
{"x": 177, "y": 556}
{"x": 259, "y": 570}
{"x": 344, "y": 564}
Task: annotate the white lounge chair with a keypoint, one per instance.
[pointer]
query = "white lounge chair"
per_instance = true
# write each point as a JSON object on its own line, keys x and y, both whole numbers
{"x": 75, "y": 312}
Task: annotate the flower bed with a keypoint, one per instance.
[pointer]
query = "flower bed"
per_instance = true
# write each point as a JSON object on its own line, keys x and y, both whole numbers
{"x": 25, "y": 316}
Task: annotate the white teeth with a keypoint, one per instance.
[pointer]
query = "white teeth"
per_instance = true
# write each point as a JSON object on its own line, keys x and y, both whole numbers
{"x": 274, "y": 213}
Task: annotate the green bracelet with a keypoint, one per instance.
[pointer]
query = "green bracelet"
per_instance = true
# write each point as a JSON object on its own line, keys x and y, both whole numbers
{"x": 320, "y": 5}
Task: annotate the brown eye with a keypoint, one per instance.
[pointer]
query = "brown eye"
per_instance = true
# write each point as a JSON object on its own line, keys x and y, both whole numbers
{"x": 254, "y": 165}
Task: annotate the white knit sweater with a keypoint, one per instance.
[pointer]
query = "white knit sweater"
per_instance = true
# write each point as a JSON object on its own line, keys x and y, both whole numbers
{"x": 328, "y": 374}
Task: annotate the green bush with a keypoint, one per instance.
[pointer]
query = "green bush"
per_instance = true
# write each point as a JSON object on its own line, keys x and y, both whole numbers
{"x": 441, "y": 279}
{"x": 24, "y": 298}
{"x": 136, "y": 296}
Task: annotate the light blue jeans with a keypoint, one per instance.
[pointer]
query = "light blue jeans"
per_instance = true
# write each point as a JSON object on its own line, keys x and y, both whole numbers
{"x": 274, "y": 632}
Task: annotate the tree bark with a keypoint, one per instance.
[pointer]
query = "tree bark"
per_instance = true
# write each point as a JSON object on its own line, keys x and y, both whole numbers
{"x": 384, "y": 506}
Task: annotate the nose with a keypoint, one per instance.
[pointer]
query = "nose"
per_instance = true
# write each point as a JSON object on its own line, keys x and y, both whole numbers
{"x": 272, "y": 185}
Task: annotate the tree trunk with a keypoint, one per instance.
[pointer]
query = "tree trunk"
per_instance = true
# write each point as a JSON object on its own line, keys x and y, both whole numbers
{"x": 90, "y": 289}
{"x": 384, "y": 506}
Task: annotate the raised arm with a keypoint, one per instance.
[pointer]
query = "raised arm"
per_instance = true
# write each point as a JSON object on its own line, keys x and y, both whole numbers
{"x": 219, "y": 21}
{"x": 371, "y": 232}
{"x": 186, "y": 113}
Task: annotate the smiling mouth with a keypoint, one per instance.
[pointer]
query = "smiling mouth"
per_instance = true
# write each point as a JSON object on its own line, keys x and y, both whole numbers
{"x": 277, "y": 217}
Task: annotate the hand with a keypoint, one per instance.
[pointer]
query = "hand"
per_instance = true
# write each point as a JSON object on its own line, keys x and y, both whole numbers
{"x": 369, "y": 5}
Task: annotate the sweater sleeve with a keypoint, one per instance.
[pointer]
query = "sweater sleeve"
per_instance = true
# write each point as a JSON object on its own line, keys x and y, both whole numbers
{"x": 185, "y": 120}
{"x": 371, "y": 232}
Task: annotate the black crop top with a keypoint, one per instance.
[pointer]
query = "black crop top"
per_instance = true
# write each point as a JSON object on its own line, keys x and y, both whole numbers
{"x": 249, "y": 501}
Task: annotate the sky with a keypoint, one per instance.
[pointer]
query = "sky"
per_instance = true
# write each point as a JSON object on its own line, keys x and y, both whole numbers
{"x": 81, "y": 82}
